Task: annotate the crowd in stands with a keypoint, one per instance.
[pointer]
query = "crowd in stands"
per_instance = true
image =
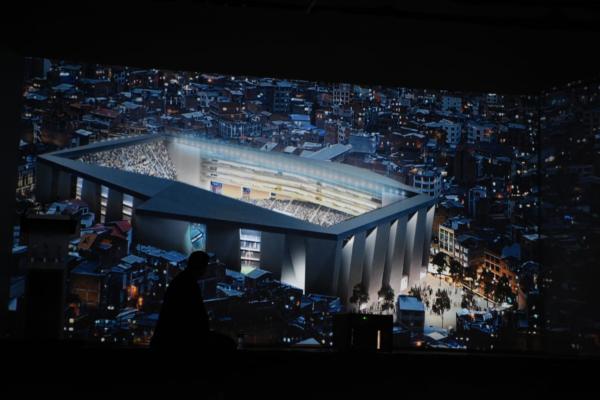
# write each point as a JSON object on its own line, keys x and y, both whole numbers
{"x": 153, "y": 159}
{"x": 148, "y": 158}
{"x": 314, "y": 213}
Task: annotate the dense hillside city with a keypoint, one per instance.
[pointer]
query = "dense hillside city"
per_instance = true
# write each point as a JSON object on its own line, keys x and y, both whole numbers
{"x": 511, "y": 175}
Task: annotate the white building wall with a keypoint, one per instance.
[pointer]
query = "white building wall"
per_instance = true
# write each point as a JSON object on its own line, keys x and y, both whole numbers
{"x": 368, "y": 261}
{"x": 375, "y": 254}
{"x": 428, "y": 234}
{"x": 293, "y": 269}
{"x": 344, "y": 275}
{"x": 394, "y": 268}
{"x": 388, "y": 254}
{"x": 353, "y": 255}
{"x": 415, "y": 231}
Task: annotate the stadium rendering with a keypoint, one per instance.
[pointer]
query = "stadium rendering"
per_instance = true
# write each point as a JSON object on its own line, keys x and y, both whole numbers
{"x": 317, "y": 225}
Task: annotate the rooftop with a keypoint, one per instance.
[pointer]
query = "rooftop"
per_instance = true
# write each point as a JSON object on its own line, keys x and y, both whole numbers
{"x": 133, "y": 259}
{"x": 330, "y": 152}
{"x": 410, "y": 303}
{"x": 87, "y": 267}
{"x": 257, "y": 273}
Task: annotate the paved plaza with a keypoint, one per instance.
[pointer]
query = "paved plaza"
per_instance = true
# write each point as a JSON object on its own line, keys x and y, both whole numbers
{"x": 455, "y": 293}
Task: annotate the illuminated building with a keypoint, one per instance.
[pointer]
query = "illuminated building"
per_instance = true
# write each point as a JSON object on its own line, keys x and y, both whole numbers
{"x": 372, "y": 229}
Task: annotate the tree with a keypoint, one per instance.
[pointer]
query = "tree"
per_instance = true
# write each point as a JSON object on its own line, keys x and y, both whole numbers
{"x": 359, "y": 296}
{"x": 456, "y": 270}
{"x": 470, "y": 274}
{"x": 439, "y": 260}
{"x": 441, "y": 304}
{"x": 387, "y": 296}
{"x": 416, "y": 291}
{"x": 489, "y": 284}
{"x": 503, "y": 292}
{"x": 468, "y": 300}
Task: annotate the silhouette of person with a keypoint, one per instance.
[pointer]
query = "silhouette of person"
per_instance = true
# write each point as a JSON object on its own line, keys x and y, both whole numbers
{"x": 183, "y": 323}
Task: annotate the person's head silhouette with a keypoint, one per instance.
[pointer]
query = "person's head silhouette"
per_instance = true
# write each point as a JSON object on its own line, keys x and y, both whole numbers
{"x": 197, "y": 264}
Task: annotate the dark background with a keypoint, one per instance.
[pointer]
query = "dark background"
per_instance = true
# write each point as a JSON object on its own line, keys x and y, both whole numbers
{"x": 505, "y": 46}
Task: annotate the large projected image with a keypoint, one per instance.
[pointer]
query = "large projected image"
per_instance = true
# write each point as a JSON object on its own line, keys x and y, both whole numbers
{"x": 311, "y": 199}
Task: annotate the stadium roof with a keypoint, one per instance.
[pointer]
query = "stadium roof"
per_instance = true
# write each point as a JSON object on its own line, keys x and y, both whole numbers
{"x": 177, "y": 200}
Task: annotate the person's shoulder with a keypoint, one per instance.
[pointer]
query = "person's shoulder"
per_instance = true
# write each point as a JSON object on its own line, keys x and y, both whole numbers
{"x": 183, "y": 281}
{"x": 179, "y": 279}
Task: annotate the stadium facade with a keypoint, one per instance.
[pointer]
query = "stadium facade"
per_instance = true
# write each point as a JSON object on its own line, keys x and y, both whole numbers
{"x": 381, "y": 236}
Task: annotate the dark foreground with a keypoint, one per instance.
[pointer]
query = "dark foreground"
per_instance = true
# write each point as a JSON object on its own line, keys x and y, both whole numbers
{"x": 62, "y": 369}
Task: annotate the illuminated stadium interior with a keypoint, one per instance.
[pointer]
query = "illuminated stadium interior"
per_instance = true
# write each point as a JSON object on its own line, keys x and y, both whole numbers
{"x": 320, "y": 192}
